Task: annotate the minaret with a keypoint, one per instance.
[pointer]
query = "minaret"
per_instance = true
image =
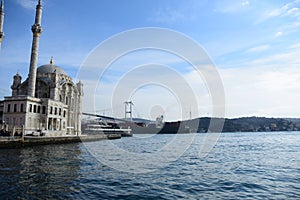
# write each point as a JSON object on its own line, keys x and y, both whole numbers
{"x": 36, "y": 30}
{"x": 1, "y": 21}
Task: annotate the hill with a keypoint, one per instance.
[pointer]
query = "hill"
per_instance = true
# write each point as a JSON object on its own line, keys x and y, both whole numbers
{"x": 248, "y": 124}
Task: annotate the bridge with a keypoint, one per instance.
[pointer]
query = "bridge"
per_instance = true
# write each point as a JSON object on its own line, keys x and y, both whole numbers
{"x": 128, "y": 111}
{"x": 105, "y": 117}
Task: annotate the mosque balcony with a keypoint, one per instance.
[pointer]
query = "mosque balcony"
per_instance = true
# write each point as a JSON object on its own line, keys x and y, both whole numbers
{"x": 36, "y": 29}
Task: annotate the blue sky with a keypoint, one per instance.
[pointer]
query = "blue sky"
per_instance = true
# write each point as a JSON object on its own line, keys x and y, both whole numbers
{"x": 254, "y": 44}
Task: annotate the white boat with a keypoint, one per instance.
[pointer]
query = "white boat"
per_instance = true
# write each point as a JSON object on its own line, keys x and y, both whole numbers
{"x": 104, "y": 128}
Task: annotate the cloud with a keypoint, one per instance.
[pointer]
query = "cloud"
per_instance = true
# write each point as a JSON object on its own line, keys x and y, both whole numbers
{"x": 258, "y": 49}
{"x": 232, "y": 7}
{"x": 288, "y": 10}
{"x": 146, "y": 85}
{"x": 131, "y": 72}
{"x": 245, "y": 3}
{"x": 178, "y": 12}
{"x": 293, "y": 11}
{"x": 252, "y": 88}
{"x": 279, "y": 59}
{"x": 258, "y": 90}
{"x": 258, "y": 86}
{"x": 27, "y": 4}
{"x": 295, "y": 46}
{"x": 168, "y": 15}
{"x": 278, "y": 34}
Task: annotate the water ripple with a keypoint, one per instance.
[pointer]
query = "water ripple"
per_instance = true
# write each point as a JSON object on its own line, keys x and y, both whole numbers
{"x": 241, "y": 166}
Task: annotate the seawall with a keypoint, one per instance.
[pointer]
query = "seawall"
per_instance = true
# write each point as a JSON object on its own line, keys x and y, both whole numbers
{"x": 11, "y": 142}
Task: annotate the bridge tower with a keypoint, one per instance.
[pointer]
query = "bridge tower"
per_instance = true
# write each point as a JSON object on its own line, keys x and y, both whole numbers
{"x": 128, "y": 110}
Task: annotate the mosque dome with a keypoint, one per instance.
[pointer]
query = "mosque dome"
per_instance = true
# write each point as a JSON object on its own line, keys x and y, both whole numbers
{"x": 50, "y": 68}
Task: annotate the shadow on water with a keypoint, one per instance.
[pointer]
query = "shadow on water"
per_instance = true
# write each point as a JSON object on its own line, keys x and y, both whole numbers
{"x": 42, "y": 171}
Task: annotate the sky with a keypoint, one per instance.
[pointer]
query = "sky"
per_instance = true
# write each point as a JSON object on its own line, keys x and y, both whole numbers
{"x": 254, "y": 46}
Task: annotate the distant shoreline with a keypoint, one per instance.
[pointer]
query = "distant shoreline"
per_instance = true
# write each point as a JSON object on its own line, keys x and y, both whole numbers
{"x": 248, "y": 124}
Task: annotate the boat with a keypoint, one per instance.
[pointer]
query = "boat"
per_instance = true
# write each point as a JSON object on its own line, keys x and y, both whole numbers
{"x": 114, "y": 136}
{"x": 111, "y": 129}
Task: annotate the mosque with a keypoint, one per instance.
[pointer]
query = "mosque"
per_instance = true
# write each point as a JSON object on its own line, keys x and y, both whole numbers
{"x": 48, "y": 101}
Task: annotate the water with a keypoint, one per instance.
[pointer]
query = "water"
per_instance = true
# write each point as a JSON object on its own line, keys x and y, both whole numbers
{"x": 241, "y": 166}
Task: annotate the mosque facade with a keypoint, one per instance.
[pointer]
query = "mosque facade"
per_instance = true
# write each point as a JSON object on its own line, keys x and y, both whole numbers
{"x": 47, "y": 101}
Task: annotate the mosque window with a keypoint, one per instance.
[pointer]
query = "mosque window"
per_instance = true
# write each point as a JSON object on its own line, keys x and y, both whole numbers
{"x": 22, "y": 108}
{"x": 51, "y": 110}
{"x": 30, "y": 107}
{"x": 59, "y": 113}
{"x": 44, "y": 110}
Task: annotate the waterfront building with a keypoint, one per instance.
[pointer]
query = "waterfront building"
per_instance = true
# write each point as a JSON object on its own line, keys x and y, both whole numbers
{"x": 48, "y": 101}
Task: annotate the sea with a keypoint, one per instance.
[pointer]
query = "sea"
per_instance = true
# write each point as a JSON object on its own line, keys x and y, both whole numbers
{"x": 260, "y": 165}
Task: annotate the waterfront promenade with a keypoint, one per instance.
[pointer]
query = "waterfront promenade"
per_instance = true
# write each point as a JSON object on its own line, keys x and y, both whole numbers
{"x": 19, "y": 142}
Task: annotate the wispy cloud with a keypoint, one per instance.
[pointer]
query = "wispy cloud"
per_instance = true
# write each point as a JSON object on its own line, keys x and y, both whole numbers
{"x": 258, "y": 85}
{"x": 27, "y": 4}
{"x": 252, "y": 88}
{"x": 294, "y": 11}
{"x": 278, "y": 34}
{"x": 231, "y": 7}
{"x": 279, "y": 59}
{"x": 177, "y": 13}
{"x": 288, "y": 10}
{"x": 295, "y": 46}
{"x": 258, "y": 48}
{"x": 168, "y": 15}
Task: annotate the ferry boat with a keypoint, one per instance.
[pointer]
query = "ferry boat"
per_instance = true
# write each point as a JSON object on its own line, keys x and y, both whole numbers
{"x": 106, "y": 128}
